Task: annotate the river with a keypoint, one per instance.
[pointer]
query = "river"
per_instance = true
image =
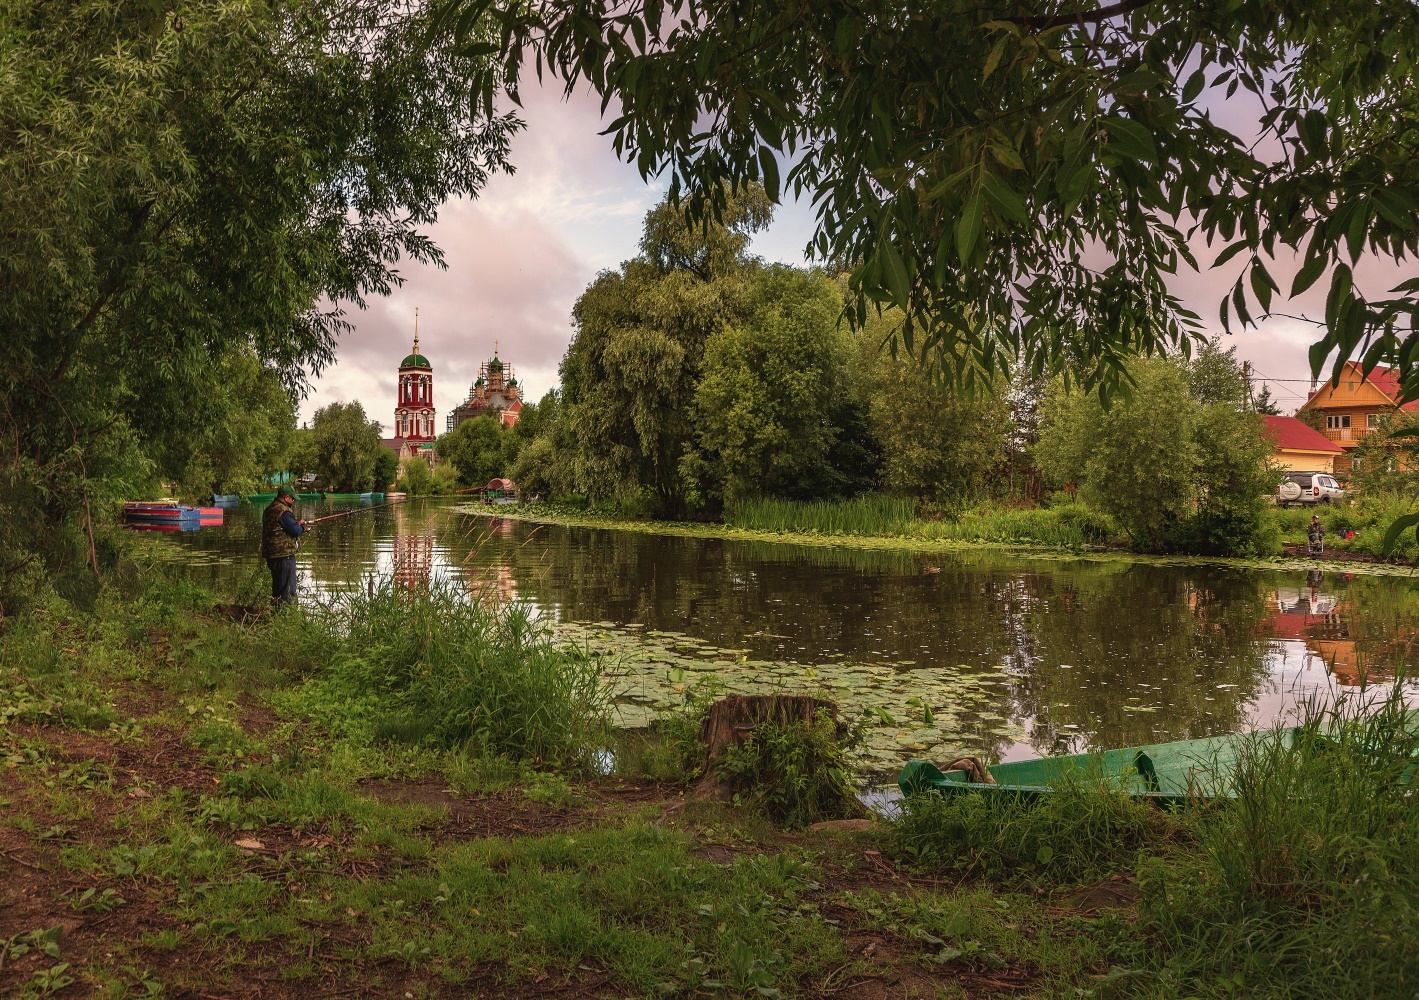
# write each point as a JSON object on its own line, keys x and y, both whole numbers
{"x": 989, "y": 652}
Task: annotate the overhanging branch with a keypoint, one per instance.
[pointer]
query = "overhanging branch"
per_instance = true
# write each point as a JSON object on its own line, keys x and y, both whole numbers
{"x": 1043, "y": 22}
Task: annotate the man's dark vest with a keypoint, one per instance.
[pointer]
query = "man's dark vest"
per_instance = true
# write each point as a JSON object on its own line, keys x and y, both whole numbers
{"x": 275, "y": 543}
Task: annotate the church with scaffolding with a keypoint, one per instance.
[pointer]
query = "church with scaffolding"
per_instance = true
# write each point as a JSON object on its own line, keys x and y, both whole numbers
{"x": 494, "y": 393}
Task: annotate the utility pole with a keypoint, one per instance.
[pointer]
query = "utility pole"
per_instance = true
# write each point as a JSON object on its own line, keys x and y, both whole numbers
{"x": 1246, "y": 379}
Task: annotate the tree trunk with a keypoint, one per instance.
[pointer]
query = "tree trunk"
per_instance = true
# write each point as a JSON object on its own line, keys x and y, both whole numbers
{"x": 730, "y": 720}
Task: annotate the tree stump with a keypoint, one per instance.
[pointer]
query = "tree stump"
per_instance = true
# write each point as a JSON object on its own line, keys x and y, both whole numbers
{"x": 729, "y": 721}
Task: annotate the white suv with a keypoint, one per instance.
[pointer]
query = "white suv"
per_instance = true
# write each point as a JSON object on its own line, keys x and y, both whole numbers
{"x": 1309, "y": 487}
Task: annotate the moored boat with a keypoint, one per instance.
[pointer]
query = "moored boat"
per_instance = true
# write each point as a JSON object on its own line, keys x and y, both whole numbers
{"x": 1171, "y": 774}
{"x": 333, "y": 496}
{"x": 1167, "y": 773}
{"x": 310, "y": 496}
{"x": 226, "y": 499}
{"x": 260, "y": 497}
{"x": 396, "y": 496}
{"x": 170, "y": 512}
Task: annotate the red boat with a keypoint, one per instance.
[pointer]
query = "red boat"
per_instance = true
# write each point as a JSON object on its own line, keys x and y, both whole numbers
{"x": 170, "y": 512}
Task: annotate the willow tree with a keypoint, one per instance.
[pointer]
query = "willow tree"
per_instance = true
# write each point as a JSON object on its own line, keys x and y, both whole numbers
{"x": 1023, "y": 177}
{"x": 629, "y": 376}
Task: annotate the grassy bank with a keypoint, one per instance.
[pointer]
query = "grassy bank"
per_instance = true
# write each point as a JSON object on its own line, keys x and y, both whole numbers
{"x": 402, "y": 796}
{"x": 1071, "y": 525}
{"x": 1053, "y": 533}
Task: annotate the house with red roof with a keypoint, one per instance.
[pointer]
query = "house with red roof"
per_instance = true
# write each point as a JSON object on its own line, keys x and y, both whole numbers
{"x": 1356, "y": 407}
{"x": 1298, "y": 447}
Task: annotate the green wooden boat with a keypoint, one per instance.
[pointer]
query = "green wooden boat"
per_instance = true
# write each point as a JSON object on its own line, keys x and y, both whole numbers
{"x": 1170, "y": 774}
{"x": 342, "y": 496}
{"x": 310, "y": 496}
{"x": 260, "y": 497}
{"x": 1167, "y": 773}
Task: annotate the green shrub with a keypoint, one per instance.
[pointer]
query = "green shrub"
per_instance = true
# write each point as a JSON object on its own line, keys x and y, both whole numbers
{"x": 796, "y": 773}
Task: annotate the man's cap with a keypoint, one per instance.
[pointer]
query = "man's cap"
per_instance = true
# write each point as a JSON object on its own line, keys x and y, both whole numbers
{"x": 285, "y": 491}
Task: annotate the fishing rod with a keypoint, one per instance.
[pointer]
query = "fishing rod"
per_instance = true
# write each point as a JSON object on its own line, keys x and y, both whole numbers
{"x": 361, "y": 509}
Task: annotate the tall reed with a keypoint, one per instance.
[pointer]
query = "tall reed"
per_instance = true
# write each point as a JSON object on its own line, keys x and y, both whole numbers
{"x": 866, "y": 515}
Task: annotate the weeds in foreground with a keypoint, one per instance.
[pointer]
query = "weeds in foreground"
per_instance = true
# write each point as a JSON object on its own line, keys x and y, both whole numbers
{"x": 429, "y": 665}
{"x": 1301, "y": 881}
{"x": 1081, "y": 833}
{"x": 796, "y": 773}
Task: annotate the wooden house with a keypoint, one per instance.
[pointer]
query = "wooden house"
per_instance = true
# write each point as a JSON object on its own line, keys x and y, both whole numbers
{"x": 1298, "y": 447}
{"x": 1356, "y": 407}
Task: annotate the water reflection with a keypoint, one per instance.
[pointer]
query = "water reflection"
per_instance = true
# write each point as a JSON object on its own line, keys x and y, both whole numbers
{"x": 1015, "y": 657}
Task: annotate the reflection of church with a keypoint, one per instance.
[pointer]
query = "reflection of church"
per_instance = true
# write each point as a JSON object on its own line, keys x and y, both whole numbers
{"x": 413, "y": 550}
{"x": 495, "y": 392}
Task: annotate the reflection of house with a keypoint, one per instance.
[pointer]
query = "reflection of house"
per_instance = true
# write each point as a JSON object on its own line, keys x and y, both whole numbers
{"x": 1297, "y": 447}
{"x": 1322, "y": 623}
{"x": 1356, "y": 407}
{"x": 495, "y": 392}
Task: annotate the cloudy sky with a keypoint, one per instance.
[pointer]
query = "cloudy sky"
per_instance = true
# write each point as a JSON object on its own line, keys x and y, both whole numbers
{"x": 520, "y": 254}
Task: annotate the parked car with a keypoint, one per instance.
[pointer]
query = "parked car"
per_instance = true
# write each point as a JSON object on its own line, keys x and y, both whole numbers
{"x": 1308, "y": 488}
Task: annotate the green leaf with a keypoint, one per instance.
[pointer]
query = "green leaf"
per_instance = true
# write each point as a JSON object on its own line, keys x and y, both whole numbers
{"x": 968, "y": 227}
{"x": 1313, "y": 128}
{"x": 1397, "y": 527}
{"x": 1231, "y": 252}
{"x": 993, "y": 60}
{"x": 1131, "y": 139}
{"x": 1045, "y": 854}
{"x": 1308, "y": 274}
{"x": 1261, "y": 285}
{"x": 1194, "y": 86}
{"x": 1004, "y": 199}
{"x": 894, "y": 272}
{"x": 770, "y": 167}
{"x": 927, "y": 716}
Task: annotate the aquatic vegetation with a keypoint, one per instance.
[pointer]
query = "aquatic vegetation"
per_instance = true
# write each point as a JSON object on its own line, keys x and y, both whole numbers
{"x": 649, "y": 672}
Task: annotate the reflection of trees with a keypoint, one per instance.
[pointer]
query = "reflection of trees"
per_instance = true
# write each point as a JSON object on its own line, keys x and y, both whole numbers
{"x": 1153, "y": 654}
{"x": 1165, "y": 637}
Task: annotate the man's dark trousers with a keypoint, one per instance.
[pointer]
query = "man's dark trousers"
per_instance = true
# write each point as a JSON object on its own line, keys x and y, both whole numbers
{"x": 283, "y": 579}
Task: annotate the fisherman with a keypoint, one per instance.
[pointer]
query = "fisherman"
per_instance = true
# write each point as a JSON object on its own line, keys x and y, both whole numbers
{"x": 280, "y": 540}
{"x": 1315, "y": 534}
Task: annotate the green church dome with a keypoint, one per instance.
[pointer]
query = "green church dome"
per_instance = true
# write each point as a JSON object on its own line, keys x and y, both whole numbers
{"x": 416, "y": 361}
{"x": 495, "y": 365}
{"x": 512, "y": 381}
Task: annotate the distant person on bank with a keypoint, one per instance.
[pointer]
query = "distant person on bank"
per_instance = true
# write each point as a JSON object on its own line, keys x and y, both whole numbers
{"x": 280, "y": 541}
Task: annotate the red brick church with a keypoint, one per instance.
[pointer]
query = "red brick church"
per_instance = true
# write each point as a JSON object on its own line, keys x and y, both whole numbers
{"x": 414, "y": 414}
{"x": 495, "y": 392}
